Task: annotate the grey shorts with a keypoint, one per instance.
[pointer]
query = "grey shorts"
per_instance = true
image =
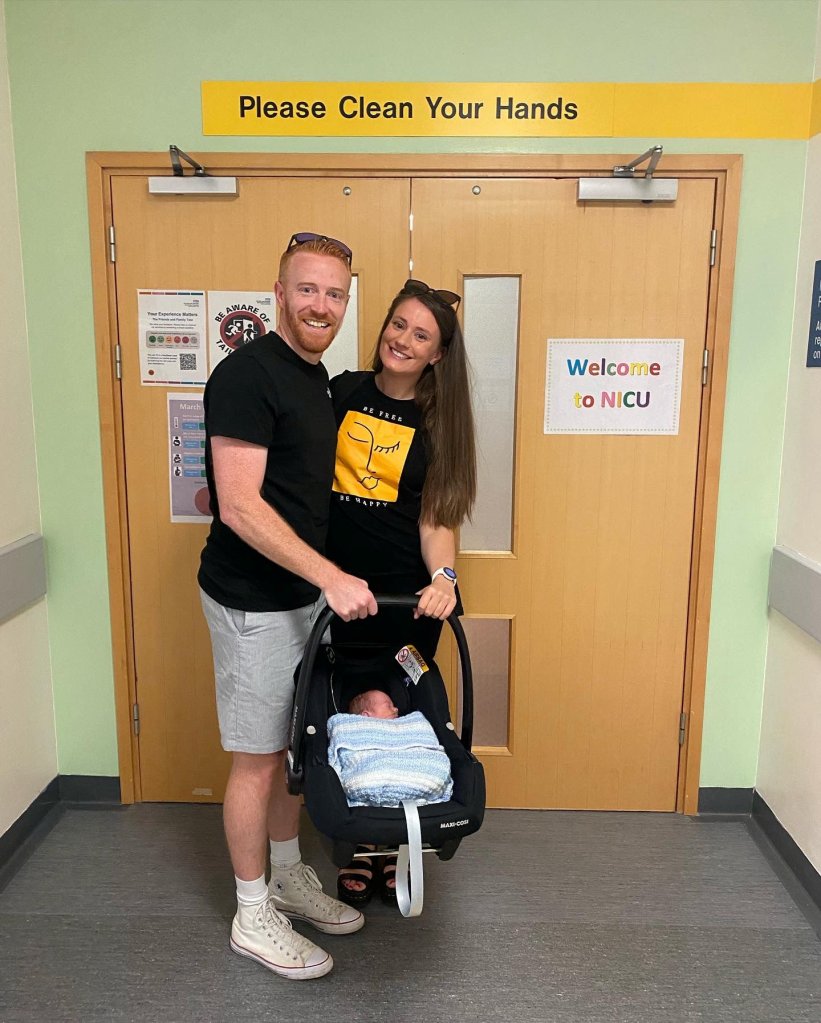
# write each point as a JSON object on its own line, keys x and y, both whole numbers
{"x": 255, "y": 656}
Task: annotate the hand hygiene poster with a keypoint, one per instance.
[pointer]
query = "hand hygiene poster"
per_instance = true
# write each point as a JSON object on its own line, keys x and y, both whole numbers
{"x": 613, "y": 385}
{"x": 171, "y": 328}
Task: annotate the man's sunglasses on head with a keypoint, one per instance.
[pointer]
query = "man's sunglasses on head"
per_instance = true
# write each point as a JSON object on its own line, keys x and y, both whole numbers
{"x": 303, "y": 237}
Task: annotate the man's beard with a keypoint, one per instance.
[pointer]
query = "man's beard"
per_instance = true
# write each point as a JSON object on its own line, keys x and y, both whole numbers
{"x": 306, "y": 338}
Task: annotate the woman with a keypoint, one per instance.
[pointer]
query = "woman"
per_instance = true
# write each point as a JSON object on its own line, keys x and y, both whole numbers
{"x": 405, "y": 480}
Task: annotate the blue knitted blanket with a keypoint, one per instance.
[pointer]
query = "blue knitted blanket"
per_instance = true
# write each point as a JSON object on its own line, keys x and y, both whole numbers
{"x": 381, "y": 761}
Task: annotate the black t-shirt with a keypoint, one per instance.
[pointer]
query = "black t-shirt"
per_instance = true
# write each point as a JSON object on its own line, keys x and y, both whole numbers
{"x": 381, "y": 463}
{"x": 264, "y": 393}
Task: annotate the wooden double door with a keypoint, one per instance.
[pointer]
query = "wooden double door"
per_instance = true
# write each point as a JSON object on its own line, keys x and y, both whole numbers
{"x": 592, "y": 586}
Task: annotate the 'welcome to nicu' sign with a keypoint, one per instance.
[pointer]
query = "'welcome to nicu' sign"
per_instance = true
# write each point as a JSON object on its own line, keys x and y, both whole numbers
{"x": 613, "y": 385}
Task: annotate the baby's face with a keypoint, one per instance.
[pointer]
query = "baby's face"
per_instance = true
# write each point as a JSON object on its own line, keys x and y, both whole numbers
{"x": 380, "y": 705}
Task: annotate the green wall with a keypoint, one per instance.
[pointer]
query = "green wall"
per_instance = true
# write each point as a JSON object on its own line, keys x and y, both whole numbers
{"x": 125, "y": 74}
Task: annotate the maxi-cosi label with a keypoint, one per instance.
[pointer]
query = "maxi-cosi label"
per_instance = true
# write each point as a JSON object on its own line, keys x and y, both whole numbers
{"x": 453, "y": 824}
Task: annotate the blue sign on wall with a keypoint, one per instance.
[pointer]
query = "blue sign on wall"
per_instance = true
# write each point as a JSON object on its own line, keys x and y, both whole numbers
{"x": 814, "y": 345}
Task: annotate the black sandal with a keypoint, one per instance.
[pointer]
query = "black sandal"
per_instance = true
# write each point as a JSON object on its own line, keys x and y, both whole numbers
{"x": 388, "y": 873}
{"x": 359, "y": 869}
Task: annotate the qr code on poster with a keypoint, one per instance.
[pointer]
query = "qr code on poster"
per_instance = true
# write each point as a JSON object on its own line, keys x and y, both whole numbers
{"x": 188, "y": 360}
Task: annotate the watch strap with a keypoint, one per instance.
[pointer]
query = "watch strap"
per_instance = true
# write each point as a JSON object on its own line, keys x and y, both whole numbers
{"x": 448, "y": 573}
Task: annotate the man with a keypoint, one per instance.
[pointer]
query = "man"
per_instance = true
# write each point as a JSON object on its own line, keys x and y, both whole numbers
{"x": 270, "y": 446}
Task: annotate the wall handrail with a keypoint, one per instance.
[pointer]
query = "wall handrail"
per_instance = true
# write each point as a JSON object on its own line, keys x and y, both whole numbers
{"x": 795, "y": 589}
{"x": 22, "y": 574}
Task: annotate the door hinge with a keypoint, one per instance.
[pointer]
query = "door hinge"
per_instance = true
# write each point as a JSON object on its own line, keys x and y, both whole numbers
{"x": 135, "y": 718}
{"x": 682, "y": 728}
{"x": 118, "y": 361}
{"x": 410, "y": 257}
{"x": 705, "y": 366}
{"x": 112, "y": 245}
{"x": 713, "y": 240}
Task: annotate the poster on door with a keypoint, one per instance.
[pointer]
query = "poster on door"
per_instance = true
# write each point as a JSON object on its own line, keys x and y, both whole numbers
{"x": 187, "y": 484}
{"x": 234, "y": 319}
{"x": 613, "y": 385}
{"x": 814, "y": 343}
{"x": 171, "y": 328}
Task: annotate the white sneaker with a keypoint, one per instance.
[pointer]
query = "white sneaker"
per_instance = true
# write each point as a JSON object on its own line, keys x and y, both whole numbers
{"x": 261, "y": 933}
{"x": 296, "y": 891}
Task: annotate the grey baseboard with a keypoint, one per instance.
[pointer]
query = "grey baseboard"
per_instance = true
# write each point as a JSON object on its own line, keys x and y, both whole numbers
{"x": 718, "y": 800}
{"x": 87, "y": 788}
{"x": 23, "y": 837}
{"x": 748, "y": 803}
{"x": 787, "y": 848}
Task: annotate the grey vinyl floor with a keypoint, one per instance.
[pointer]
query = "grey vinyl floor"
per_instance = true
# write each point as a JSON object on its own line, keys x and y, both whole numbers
{"x": 124, "y": 914}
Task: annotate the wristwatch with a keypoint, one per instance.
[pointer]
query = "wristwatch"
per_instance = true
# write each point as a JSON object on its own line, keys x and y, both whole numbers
{"x": 448, "y": 573}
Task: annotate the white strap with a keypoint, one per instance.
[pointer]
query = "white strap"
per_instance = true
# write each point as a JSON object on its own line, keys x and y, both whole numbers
{"x": 441, "y": 571}
{"x": 409, "y": 865}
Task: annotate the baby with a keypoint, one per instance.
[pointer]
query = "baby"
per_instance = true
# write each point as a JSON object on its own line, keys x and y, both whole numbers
{"x": 381, "y": 762}
{"x": 373, "y": 704}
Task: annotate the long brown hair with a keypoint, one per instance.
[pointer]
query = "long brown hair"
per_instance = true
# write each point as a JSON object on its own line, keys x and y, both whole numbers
{"x": 443, "y": 396}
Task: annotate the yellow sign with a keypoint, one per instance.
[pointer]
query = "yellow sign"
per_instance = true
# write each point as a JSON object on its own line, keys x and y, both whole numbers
{"x": 405, "y": 109}
{"x": 815, "y": 120}
{"x": 509, "y": 109}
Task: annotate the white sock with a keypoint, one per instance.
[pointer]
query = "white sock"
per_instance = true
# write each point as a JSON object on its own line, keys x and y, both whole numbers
{"x": 251, "y": 893}
{"x": 285, "y": 854}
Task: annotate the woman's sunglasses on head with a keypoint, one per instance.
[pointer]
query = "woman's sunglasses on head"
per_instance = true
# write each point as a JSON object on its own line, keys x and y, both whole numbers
{"x": 449, "y": 298}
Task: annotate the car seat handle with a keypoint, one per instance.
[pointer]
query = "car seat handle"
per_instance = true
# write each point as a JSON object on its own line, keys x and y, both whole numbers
{"x": 326, "y": 616}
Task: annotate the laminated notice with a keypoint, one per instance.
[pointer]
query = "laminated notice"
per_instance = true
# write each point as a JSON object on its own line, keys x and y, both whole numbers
{"x": 412, "y": 662}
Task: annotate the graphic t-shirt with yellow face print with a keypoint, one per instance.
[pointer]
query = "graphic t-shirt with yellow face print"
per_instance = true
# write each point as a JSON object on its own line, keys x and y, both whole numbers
{"x": 377, "y": 489}
{"x": 370, "y": 455}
